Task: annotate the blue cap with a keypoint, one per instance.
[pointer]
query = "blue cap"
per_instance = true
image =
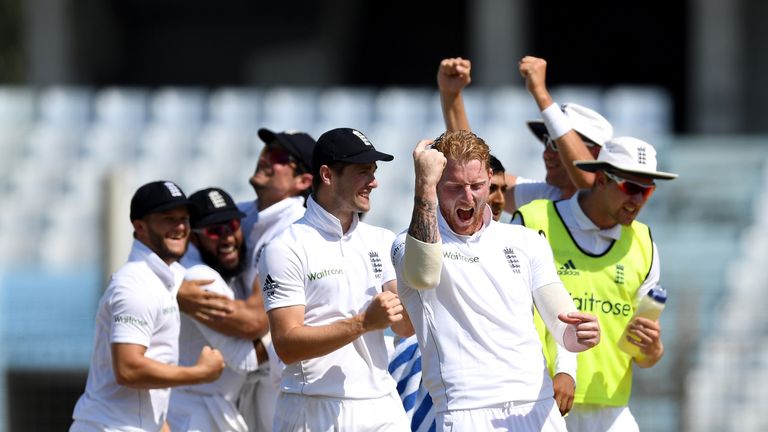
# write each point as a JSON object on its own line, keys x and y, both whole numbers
{"x": 658, "y": 293}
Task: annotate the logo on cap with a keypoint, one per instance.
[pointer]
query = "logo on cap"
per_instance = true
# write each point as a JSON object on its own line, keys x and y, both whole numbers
{"x": 216, "y": 199}
{"x": 362, "y": 137}
{"x": 173, "y": 189}
{"x": 641, "y": 155}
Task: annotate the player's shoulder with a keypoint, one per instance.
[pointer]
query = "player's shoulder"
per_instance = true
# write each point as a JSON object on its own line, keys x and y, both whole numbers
{"x": 514, "y": 233}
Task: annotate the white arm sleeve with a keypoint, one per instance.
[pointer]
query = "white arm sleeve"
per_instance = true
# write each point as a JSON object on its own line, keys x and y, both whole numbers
{"x": 552, "y": 300}
{"x": 422, "y": 263}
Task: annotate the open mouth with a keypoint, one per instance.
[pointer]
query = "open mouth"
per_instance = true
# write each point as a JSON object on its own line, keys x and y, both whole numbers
{"x": 227, "y": 252}
{"x": 465, "y": 214}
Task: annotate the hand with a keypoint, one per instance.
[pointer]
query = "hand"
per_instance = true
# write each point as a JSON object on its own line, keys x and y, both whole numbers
{"x": 582, "y": 332}
{"x": 565, "y": 387}
{"x": 428, "y": 163}
{"x": 204, "y": 306}
{"x": 453, "y": 75}
{"x": 646, "y": 334}
{"x": 211, "y": 362}
{"x": 384, "y": 310}
{"x": 534, "y": 71}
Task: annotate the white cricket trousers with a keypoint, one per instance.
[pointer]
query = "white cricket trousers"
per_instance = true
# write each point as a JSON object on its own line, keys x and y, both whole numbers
{"x": 591, "y": 417}
{"x": 298, "y": 413}
{"x": 538, "y": 416}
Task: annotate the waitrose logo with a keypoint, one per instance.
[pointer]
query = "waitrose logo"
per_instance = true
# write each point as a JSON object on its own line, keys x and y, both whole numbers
{"x": 323, "y": 273}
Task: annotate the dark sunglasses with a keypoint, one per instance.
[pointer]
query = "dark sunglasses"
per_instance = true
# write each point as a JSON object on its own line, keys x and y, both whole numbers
{"x": 276, "y": 155}
{"x": 215, "y": 232}
{"x": 549, "y": 142}
{"x": 631, "y": 188}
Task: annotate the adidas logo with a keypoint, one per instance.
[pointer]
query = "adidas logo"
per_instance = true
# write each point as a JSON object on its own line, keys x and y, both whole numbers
{"x": 269, "y": 286}
{"x": 568, "y": 269}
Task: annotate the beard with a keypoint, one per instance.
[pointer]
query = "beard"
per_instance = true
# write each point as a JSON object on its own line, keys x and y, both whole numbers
{"x": 157, "y": 244}
{"x": 227, "y": 273}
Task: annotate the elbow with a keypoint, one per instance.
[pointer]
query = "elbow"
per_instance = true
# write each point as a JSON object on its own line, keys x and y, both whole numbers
{"x": 422, "y": 280}
{"x": 127, "y": 377}
{"x": 256, "y": 329}
{"x": 285, "y": 354}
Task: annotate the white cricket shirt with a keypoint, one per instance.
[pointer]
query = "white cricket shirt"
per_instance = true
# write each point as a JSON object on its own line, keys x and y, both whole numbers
{"x": 239, "y": 354}
{"x": 527, "y": 190}
{"x": 334, "y": 275}
{"x": 475, "y": 329}
{"x": 138, "y": 307}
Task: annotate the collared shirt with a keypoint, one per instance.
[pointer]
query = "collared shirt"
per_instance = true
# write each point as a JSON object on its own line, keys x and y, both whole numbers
{"x": 334, "y": 275}
{"x": 479, "y": 345}
{"x": 138, "y": 307}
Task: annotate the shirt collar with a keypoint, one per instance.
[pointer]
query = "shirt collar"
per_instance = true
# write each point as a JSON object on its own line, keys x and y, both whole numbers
{"x": 170, "y": 275}
{"x": 274, "y": 211}
{"x": 326, "y": 222}
{"x": 585, "y": 223}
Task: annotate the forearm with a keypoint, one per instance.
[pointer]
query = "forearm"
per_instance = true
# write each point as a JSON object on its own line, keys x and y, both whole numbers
{"x": 422, "y": 260}
{"x": 243, "y": 322}
{"x": 423, "y": 225}
{"x": 145, "y": 373}
{"x": 454, "y": 114}
{"x": 404, "y": 328}
{"x": 306, "y": 342}
{"x": 552, "y": 300}
{"x": 571, "y": 148}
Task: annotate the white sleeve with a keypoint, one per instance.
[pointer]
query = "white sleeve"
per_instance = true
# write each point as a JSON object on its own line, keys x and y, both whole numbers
{"x": 543, "y": 271}
{"x": 132, "y": 318}
{"x": 529, "y": 190}
{"x": 281, "y": 275}
{"x": 653, "y": 276}
{"x": 419, "y": 263}
{"x": 388, "y": 268}
{"x": 552, "y": 300}
{"x": 239, "y": 354}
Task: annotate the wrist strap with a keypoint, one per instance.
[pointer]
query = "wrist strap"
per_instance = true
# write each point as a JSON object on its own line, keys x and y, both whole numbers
{"x": 558, "y": 124}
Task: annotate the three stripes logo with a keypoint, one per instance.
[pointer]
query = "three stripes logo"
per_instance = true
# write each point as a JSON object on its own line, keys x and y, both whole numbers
{"x": 269, "y": 286}
{"x": 568, "y": 269}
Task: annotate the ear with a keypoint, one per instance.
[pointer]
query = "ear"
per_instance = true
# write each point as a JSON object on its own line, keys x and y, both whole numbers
{"x": 303, "y": 182}
{"x": 326, "y": 174}
{"x": 600, "y": 179}
{"x": 138, "y": 225}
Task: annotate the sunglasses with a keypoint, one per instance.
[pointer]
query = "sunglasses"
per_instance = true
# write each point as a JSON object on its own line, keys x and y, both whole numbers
{"x": 276, "y": 155}
{"x": 631, "y": 188}
{"x": 549, "y": 142}
{"x": 215, "y": 232}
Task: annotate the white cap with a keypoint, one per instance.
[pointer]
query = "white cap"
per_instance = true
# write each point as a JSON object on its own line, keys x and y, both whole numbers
{"x": 587, "y": 122}
{"x": 629, "y": 155}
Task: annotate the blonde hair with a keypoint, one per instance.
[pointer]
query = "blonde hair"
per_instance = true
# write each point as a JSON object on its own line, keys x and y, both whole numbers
{"x": 463, "y": 146}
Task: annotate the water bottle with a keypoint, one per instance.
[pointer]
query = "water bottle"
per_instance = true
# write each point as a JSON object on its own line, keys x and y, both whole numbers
{"x": 650, "y": 307}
